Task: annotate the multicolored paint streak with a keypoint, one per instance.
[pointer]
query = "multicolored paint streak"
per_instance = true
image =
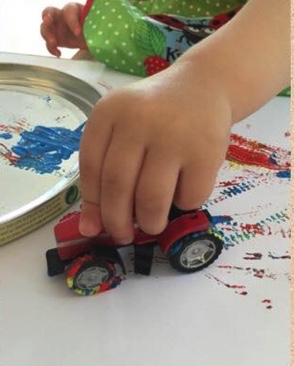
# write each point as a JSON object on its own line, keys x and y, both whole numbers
{"x": 43, "y": 149}
{"x": 234, "y": 232}
{"x": 245, "y": 184}
{"x": 251, "y": 152}
{"x": 251, "y": 170}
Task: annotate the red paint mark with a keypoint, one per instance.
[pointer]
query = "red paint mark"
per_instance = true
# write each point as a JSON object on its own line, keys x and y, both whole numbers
{"x": 286, "y": 256}
{"x": 18, "y": 128}
{"x": 251, "y": 152}
{"x": 230, "y": 183}
{"x": 284, "y": 233}
{"x": 253, "y": 256}
{"x": 219, "y": 281}
{"x": 227, "y": 183}
{"x": 287, "y": 134}
{"x": 234, "y": 286}
{"x": 259, "y": 273}
{"x": 253, "y": 228}
{"x": 7, "y": 154}
{"x": 269, "y": 302}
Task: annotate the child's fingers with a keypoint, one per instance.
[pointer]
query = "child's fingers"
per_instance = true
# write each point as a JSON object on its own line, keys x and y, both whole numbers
{"x": 46, "y": 30}
{"x": 120, "y": 172}
{"x": 53, "y": 49}
{"x": 194, "y": 187}
{"x": 91, "y": 158}
{"x": 90, "y": 224}
{"x": 155, "y": 191}
{"x": 50, "y": 39}
{"x": 51, "y": 15}
{"x": 71, "y": 14}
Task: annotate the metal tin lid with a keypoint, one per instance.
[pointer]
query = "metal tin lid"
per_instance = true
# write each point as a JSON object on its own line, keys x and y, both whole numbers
{"x": 42, "y": 115}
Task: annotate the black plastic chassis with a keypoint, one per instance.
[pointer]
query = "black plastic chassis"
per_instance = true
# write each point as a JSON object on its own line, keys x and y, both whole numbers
{"x": 143, "y": 256}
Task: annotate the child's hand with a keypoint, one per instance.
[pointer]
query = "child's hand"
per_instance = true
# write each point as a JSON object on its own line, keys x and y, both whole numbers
{"x": 158, "y": 141}
{"x": 61, "y": 28}
{"x": 164, "y": 138}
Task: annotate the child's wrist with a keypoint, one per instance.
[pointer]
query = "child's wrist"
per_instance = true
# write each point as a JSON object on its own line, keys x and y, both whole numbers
{"x": 201, "y": 73}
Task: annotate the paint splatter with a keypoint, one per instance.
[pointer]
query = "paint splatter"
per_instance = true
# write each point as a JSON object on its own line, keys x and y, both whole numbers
{"x": 251, "y": 152}
{"x": 250, "y": 271}
{"x": 253, "y": 256}
{"x": 18, "y": 127}
{"x": 285, "y": 256}
{"x": 250, "y": 181}
{"x": 61, "y": 118}
{"x": 44, "y": 148}
{"x": 235, "y": 287}
{"x": 7, "y": 154}
{"x": 241, "y": 289}
{"x": 268, "y": 303}
{"x": 284, "y": 174}
{"x": 233, "y": 182}
{"x": 47, "y": 98}
{"x": 5, "y": 136}
{"x": 234, "y": 232}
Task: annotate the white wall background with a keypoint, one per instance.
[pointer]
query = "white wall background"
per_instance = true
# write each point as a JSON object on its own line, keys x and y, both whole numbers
{"x": 20, "y": 26}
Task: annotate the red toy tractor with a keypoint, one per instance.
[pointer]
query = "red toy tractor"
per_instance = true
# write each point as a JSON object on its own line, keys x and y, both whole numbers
{"x": 92, "y": 265}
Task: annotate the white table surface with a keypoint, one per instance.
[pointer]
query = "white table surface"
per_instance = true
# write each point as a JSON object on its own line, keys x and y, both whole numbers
{"x": 167, "y": 318}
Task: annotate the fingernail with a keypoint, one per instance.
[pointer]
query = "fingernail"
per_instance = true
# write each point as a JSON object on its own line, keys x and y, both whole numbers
{"x": 87, "y": 228}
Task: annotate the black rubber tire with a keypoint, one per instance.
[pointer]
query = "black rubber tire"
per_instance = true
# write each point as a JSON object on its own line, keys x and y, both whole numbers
{"x": 180, "y": 246}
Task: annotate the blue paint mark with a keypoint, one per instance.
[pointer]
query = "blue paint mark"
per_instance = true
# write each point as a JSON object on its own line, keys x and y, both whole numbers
{"x": 45, "y": 148}
{"x": 272, "y": 160}
{"x": 221, "y": 219}
{"x": 47, "y": 98}
{"x": 284, "y": 174}
{"x": 6, "y": 136}
{"x": 175, "y": 248}
{"x": 178, "y": 245}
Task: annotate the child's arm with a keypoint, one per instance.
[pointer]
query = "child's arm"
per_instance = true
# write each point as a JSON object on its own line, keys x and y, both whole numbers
{"x": 164, "y": 138}
{"x": 250, "y": 56}
{"x": 61, "y": 28}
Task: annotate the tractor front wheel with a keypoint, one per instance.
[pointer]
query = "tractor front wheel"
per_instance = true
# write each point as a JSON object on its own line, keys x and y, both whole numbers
{"x": 88, "y": 275}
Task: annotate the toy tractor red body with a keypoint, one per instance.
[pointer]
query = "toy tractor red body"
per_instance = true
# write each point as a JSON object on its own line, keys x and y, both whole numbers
{"x": 190, "y": 242}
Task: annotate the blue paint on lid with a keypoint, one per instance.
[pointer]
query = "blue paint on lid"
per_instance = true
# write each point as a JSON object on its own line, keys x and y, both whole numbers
{"x": 5, "y": 135}
{"x": 44, "y": 148}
